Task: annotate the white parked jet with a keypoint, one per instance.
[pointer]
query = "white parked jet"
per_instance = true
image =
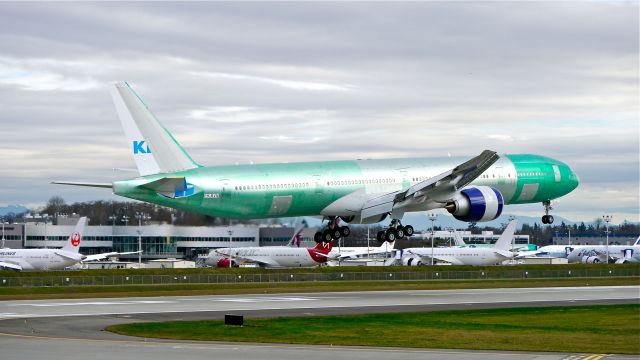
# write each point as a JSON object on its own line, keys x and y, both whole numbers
{"x": 351, "y": 253}
{"x": 555, "y": 251}
{"x": 46, "y": 259}
{"x": 464, "y": 256}
{"x": 50, "y": 259}
{"x": 271, "y": 256}
{"x": 619, "y": 254}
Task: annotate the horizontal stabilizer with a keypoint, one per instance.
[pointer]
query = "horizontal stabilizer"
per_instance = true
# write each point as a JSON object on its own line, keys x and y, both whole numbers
{"x": 73, "y": 183}
{"x": 171, "y": 187}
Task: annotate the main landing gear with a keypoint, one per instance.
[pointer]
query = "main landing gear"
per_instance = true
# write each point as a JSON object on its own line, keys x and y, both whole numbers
{"x": 333, "y": 231}
{"x": 546, "y": 218}
{"x": 395, "y": 231}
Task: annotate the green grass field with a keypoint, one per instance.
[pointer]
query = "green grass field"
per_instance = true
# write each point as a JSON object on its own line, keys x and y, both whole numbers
{"x": 324, "y": 269}
{"x": 592, "y": 329}
{"x": 71, "y": 292}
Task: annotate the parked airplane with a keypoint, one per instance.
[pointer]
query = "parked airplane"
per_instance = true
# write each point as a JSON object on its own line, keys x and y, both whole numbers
{"x": 463, "y": 256}
{"x": 362, "y": 191}
{"x": 50, "y": 259}
{"x": 556, "y": 251}
{"x": 271, "y": 256}
{"x": 349, "y": 253}
{"x": 619, "y": 254}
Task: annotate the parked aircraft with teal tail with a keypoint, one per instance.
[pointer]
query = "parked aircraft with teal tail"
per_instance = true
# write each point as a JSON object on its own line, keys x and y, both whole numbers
{"x": 359, "y": 191}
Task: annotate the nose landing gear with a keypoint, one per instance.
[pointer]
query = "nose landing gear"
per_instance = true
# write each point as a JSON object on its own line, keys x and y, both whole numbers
{"x": 395, "y": 231}
{"x": 546, "y": 218}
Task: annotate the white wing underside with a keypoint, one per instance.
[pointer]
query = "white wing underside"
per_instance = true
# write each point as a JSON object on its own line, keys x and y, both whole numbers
{"x": 10, "y": 265}
{"x": 263, "y": 261}
{"x": 437, "y": 190}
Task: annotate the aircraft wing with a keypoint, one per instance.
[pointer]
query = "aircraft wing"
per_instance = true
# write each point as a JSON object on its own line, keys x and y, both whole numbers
{"x": 440, "y": 188}
{"x": 9, "y": 265}
{"x": 262, "y": 261}
{"x": 384, "y": 249}
{"x": 426, "y": 258}
{"x": 68, "y": 255}
{"x": 102, "y": 256}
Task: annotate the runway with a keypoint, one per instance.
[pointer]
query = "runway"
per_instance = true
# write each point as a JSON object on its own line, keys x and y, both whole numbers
{"x": 33, "y": 329}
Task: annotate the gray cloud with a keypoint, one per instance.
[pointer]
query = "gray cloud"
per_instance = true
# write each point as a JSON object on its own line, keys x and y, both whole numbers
{"x": 268, "y": 82}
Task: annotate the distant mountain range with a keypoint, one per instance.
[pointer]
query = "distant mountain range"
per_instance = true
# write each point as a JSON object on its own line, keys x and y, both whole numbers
{"x": 13, "y": 209}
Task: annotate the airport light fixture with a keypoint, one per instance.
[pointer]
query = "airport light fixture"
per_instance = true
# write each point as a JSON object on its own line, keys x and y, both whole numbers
{"x": 432, "y": 217}
{"x": 2, "y": 232}
{"x": 230, "y": 232}
{"x": 113, "y": 219}
{"x": 607, "y": 220}
{"x": 141, "y": 217}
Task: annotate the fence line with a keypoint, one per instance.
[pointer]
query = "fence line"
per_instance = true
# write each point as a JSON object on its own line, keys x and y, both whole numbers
{"x": 279, "y": 277}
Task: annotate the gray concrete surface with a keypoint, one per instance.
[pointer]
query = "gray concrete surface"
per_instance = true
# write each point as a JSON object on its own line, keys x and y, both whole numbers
{"x": 70, "y": 329}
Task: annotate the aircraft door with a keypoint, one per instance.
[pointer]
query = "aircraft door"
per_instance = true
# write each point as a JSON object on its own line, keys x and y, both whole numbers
{"x": 317, "y": 184}
{"x": 225, "y": 188}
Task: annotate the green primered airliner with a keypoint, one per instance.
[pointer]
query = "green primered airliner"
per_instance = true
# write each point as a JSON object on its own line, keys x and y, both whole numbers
{"x": 359, "y": 191}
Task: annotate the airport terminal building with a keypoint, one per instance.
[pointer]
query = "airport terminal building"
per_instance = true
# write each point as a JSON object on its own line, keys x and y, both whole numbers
{"x": 157, "y": 241}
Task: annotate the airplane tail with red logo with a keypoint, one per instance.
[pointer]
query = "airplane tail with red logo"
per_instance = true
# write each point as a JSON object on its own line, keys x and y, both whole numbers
{"x": 75, "y": 239}
{"x": 320, "y": 253}
{"x": 324, "y": 248}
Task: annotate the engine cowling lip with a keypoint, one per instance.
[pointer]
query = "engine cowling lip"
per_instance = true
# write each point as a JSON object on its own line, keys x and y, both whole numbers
{"x": 473, "y": 202}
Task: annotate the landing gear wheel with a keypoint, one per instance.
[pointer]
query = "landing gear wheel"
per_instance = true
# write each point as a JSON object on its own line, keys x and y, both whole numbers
{"x": 380, "y": 236}
{"x": 336, "y": 233}
{"x": 408, "y": 230}
{"x": 326, "y": 236}
{"x": 546, "y": 218}
{"x": 317, "y": 237}
{"x": 400, "y": 232}
{"x": 390, "y": 235}
{"x": 345, "y": 231}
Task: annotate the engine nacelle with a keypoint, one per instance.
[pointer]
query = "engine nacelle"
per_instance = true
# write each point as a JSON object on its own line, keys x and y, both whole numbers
{"x": 477, "y": 204}
{"x": 356, "y": 219}
{"x": 411, "y": 261}
{"x": 226, "y": 263}
{"x": 590, "y": 260}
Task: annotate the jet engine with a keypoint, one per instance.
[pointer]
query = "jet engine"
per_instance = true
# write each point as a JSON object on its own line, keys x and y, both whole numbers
{"x": 411, "y": 261}
{"x": 226, "y": 263}
{"x": 591, "y": 259}
{"x": 476, "y": 204}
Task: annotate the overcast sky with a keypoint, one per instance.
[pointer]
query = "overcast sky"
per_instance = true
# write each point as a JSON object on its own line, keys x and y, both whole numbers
{"x": 273, "y": 82}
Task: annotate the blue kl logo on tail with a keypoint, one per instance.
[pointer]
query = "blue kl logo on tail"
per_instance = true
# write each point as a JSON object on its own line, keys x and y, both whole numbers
{"x": 139, "y": 147}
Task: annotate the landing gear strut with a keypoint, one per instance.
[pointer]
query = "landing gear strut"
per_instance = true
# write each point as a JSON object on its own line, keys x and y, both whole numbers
{"x": 546, "y": 218}
{"x": 395, "y": 231}
{"x": 333, "y": 231}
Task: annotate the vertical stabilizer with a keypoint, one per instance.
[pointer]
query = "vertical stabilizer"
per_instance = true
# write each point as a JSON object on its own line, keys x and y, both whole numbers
{"x": 154, "y": 149}
{"x": 504, "y": 241}
{"x": 75, "y": 239}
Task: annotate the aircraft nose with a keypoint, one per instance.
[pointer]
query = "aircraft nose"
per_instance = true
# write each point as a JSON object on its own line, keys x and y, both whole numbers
{"x": 574, "y": 180}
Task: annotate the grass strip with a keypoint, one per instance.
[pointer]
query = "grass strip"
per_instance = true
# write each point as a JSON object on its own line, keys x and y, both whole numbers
{"x": 77, "y": 292}
{"x": 324, "y": 269}
{"x": 594, "y": 329}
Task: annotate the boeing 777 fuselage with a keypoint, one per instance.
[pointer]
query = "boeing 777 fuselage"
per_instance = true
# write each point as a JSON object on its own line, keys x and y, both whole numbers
{"x": 473, "y": 189}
